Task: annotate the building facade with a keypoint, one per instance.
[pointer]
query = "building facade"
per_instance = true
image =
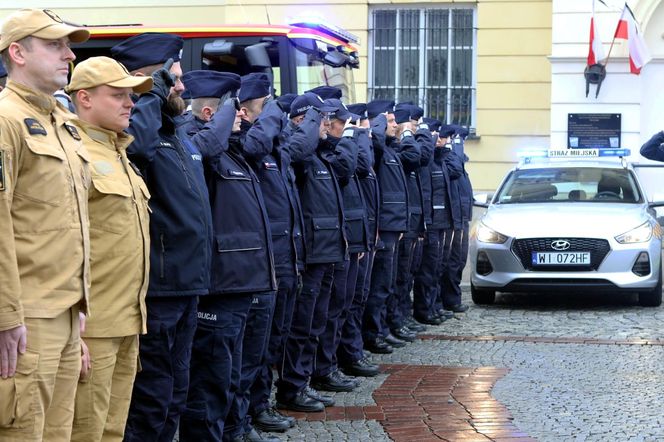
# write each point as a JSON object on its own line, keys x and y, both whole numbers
{"x": 511, "y": 70}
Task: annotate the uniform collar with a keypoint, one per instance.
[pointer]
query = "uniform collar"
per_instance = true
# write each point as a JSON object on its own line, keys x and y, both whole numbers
{"x": 45, "y": 103}
{"x": 107, "y": 138}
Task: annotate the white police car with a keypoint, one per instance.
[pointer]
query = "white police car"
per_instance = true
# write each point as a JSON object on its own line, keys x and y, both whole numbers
{"x": 565, "y": 223}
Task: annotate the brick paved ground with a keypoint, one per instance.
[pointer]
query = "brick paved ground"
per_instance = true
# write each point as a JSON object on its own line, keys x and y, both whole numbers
{"x": 548, "y": 368}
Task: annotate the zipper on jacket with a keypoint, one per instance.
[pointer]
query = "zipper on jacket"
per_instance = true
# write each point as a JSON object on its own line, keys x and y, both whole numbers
{"x": 161, "y": 257}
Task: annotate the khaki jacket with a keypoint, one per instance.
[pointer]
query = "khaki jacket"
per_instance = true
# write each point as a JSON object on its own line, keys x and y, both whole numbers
{"x": 44, "y": 180}
{"x": 119, "y": 236}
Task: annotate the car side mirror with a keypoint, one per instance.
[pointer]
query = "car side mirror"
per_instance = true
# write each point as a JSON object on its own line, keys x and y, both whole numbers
{"x": 482, "y": 200}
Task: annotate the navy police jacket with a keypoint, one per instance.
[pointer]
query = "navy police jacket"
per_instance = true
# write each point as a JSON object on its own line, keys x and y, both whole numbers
{"x": 242, "y": 259}
{"x": 355, "y": 214}
{"x": 653, "y": 149}
{"x": 445, "y": 168}
{"x": 180, "y": 223}
{"x": 369, "y": 186}
{"x": 282, "y": 202}
{"x": 465, "y": 186}
{"x": 390, "y": 159}
{"x": 418, "y": 187}
{"x": 322, "y": 204}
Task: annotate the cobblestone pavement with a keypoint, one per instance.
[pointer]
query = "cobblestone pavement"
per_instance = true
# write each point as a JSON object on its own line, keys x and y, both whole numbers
{"x": 550, "y": 368}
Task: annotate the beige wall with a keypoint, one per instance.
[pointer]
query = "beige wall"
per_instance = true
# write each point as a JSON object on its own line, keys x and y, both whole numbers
{"x": 513, "y": 44}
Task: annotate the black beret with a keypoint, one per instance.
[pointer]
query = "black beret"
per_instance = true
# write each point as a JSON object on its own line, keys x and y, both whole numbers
{"x": 327, "y": 92}
{"x": 285, "y": 101}
{"x": 147, "y": 49}
{"x": 434, "y": 125}
{"x": 204, "y": 83}
{"x": 446, "y": 130}
{"x": 416, "y": 112}
{"x": 254, "y": 85}
{"x": 377, "y": 107}
{"x": 359, "y": 109}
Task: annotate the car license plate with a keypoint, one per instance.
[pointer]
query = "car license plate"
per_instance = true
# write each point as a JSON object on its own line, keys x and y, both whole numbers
{"x": 561, "y": 258}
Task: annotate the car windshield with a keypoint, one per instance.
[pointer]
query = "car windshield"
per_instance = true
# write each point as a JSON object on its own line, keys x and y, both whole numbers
{"x": 569, "y": 184}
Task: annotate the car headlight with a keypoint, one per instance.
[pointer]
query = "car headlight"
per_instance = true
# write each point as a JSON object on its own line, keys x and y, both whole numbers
{"x": 643, "y": 233}
{"x": 486, "y": 234}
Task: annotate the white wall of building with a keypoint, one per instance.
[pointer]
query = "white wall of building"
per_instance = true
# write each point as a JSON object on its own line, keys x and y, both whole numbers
{"x": 639, "y": 98}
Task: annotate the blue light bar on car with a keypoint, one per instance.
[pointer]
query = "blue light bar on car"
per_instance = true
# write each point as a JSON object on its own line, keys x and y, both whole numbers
{"x": 573, "y": 153}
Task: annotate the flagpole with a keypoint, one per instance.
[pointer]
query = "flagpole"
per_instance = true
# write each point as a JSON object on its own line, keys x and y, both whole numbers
{"x": 614, "y": 38}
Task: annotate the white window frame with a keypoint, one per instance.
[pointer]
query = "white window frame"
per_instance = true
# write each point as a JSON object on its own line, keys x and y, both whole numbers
{"x": 422, "y": 87}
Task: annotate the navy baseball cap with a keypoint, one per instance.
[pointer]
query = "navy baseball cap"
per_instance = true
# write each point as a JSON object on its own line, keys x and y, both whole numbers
{"x": 327, "y": 92}
{"x": 307, "y": 101}
{"x": 147, "y": 49}
{"x": 254, "y": 85}
{"x": 285, "y": 101}
{"x": 377, "y": 107}
{"x": 434, "y": 125}
{"x": 359, "y": 109}
{"x": 204, "y": 83}
{"x": 341, "y": 112}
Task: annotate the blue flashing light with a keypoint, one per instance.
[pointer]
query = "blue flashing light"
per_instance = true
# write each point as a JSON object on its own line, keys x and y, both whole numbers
{"x": 313, "y": 20}
{"x": 614, "y": 152}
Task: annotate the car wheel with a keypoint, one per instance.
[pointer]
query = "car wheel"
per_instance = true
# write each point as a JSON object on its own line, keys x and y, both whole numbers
{"x": 652, "y": 298}
{"x": 482, "y": 296}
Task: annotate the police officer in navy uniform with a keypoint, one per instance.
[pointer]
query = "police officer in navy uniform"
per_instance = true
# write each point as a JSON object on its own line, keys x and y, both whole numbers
{"x": 350, "y": 354}
{"x": 398, "y": 307}
{"x": 277, "y": 181}
{"x": 235, "y": 319}
{"x": 180, "y": 232}
{"x": 202, "y": 87}
{"x": 325, "y": 242}
{"x": 342, "y": 132}
{"x": 653, "y": 149}
{"x": 449, "y": 298}
{"x": 445, "y": 167}
{"x": 390, "y": 157}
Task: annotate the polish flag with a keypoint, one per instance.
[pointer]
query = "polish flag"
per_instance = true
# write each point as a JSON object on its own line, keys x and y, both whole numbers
{"x": 627, "y": 30}
{"x": 596, "y": 51}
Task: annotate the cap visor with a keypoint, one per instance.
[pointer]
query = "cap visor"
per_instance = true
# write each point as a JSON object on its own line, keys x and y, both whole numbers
{"x": 76, "y": 35}
{"x": 139, "y": 85}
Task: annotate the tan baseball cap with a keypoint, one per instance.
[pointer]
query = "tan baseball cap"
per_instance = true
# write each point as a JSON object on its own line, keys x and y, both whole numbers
{"x": 97, "y": 71}
{"x": 41, "y": 23}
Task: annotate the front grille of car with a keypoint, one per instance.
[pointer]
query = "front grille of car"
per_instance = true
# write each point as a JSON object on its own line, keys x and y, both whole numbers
{"x": 524, "y": 247}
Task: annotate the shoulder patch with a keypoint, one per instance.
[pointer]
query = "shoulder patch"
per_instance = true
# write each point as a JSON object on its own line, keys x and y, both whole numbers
{"x": 73, "y": 132}
{"x": 34, "y": 127}
{"x": 2, "y": 170}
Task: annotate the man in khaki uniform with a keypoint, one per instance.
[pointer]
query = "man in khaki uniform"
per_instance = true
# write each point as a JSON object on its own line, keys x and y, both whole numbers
{"x": 44, "y": 240}
{"x": 101, "y": 90}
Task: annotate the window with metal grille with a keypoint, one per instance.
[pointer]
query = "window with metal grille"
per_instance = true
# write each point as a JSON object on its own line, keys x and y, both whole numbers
{"x": 427, "y": 56}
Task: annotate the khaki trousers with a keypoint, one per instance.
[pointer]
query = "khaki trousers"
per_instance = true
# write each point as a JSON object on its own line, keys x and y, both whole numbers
{"x": 102, "y": 400}
{"x": 37, "y": 404}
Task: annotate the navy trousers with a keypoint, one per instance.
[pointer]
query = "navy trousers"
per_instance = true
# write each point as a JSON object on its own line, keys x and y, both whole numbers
{"x": 254, "y": 345}
{"x": 425, "y": 289}
{"x": 406, "y": 252}
{"x": 216, "y": 365}
{"x": 274, "y": 355}
{"x": 309, "y": 319}
{"x": 382, "y": 285}
{"x": 341, "y": 299}
{"x": 160, "y": 389}
{"x": 350, "y": 348}
{"x": 450, "y": 285}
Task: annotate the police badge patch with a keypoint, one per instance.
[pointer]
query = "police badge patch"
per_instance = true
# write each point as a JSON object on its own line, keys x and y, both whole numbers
{"x": 34, "y": 127}
{"x": 2, "y": 170}
{"x": 73, "y": 132}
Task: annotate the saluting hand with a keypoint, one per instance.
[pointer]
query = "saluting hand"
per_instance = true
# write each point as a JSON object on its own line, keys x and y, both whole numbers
{"x": 12, "y": 342}
{"x": 163, "y": 80}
